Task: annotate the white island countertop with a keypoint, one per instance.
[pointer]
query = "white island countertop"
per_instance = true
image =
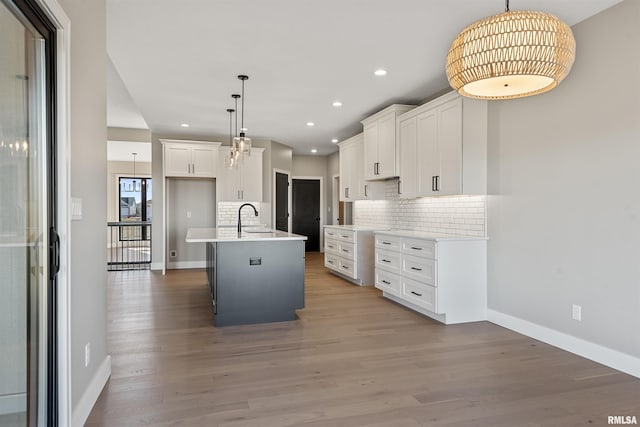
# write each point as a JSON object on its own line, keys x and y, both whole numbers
{"x": 203, "y": 235}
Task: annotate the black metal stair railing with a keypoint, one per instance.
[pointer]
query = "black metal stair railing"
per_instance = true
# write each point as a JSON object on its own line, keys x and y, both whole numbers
{"x": 129, "y": 245}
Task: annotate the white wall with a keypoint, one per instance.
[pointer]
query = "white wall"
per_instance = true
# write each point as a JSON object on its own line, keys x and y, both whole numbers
{"x": 88, "y": 182}
{"x": 564, "y": 183}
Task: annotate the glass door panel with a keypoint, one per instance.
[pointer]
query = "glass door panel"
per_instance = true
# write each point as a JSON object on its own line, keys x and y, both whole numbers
{"x": 24, "y": 222}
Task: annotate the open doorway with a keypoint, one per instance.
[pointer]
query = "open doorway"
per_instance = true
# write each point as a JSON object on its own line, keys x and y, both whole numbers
{"x": 307, "y": 210}
{"x": 340, "y": 210}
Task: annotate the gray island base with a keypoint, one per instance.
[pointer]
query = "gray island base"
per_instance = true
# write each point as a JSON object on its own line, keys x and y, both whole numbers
{"x": 256, "y": 278}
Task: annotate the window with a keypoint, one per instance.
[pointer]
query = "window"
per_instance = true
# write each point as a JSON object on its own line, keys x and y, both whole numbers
{"x": 136, "y": 204}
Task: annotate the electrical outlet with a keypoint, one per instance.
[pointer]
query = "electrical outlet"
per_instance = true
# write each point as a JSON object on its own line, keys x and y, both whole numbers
{"x": 172, "y": 254}
{"x": 576, "y": 312}
{"x": 87, "y": 354}
{"x": 188, "y": 214}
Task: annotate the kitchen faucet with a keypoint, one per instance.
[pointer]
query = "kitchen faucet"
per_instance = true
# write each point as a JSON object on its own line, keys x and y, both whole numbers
{"x": 239, "y": 221}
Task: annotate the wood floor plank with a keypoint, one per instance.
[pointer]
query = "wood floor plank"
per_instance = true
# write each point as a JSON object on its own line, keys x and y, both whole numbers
{"x": 352, "y": 358}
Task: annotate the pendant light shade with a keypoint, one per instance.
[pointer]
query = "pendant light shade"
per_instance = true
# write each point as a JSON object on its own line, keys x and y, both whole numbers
{"x": 243, "y": 143}
{"x": 511, "y": 55}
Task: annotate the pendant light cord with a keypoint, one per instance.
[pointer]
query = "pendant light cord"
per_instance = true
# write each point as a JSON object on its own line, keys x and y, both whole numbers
{"x": 242, "y": 116}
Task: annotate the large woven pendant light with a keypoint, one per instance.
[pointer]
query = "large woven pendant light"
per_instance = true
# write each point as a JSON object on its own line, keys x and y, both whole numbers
{"x": 511, "y": 55}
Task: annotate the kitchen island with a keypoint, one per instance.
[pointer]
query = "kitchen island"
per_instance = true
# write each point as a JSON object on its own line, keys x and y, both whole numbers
{"x": 254, "y": 277}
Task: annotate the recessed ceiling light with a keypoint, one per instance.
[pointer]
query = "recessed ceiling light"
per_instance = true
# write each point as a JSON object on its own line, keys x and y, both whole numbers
{"x": 310, "y": 124}
{"x": 380, "y": 72}
{"x": 334, "y": 140}
{"x": 313, "y": 150}
{"x": 337, "y": 104}
{"x": 185, "y": 125}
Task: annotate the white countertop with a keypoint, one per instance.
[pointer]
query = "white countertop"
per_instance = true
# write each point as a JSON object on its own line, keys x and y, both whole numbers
{"x": 355, "y": 228}
{"x": 428, "y": 236}
{"x": 203, "y": 235}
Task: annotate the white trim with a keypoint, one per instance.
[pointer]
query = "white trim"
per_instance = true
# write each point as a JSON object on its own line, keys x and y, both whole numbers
{"x": 91, "y": 394}
{"x": 183, "y": 265}
{"x": 606, "y": 356}
{"x": 13, "y": 403}
{"x": 323, "y": 208}
{"x": 273, "y": 218}
{"x": 335, "y": 196}
{"x": 156, "y": 266}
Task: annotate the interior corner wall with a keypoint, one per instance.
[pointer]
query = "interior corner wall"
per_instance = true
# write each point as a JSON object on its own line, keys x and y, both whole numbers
{"x": 564, "y": 180}
{"x": 88, "y": 270}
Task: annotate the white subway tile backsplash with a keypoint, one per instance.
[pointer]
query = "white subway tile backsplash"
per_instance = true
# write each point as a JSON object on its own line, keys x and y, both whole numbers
{"x": 228, "y": 214}
{"x": 459, "y": 215}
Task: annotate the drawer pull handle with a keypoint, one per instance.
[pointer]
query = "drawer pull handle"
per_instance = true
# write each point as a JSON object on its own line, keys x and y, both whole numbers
{"x": 416, "y": 249}
{"x": 330, "y": 262}
{"x": 345, "y": 250}
{"x": 415, "y": 293}
{"x": 385, "y": 260}
{"x": 344, "y": 237}
{"x": 386, "y": 283}
{"x": 345, "y": 267}
{"x": 416, "y": 268}
{"x": 386, "y": 243}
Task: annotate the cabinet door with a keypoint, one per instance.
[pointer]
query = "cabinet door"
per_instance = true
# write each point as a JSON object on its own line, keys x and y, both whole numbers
{"x": 387, "y": 146}
{"x": 450, "y": 148}
{"x": 347, "y": 163}
{"x": 228, "y": 180}
{"x": 177, "y": 160}
{"x": 408, "y": 158}
{"x": 251, "y": 182}
{"x": 370, "y": 150}
{"x": 204, "y": 161}
{"x": 427, "y": 143}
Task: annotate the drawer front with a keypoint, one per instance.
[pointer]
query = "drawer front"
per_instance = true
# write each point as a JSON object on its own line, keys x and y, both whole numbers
{"x": 420, "y": 269}
{"x": 420, "y": 294}
{"x": 330, "y": 233}
{"x": 331, "y": 261}
{"x": 346, "y": 236}
{"x": 346, "y": 250}
{"x": 389, "y": 243}
{"x": 389, "y": 261}
{"x": 347, "y": 267}
{"x": 419, "y": 248}
{"x": 331, "y": 246}
{"x": 388, "y": 282}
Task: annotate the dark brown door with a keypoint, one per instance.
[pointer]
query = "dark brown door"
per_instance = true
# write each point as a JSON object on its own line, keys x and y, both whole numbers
{"x": 306, "y": 211}
{"x": 282, "y": 201}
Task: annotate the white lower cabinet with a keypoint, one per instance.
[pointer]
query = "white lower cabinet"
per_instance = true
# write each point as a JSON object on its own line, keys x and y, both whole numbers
{"x": 348, "y": 252}
{"x": 442, "y": 277}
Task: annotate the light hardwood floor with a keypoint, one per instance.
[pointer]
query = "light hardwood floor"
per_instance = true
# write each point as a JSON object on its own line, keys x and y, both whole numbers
{"x": 353, "y": 358}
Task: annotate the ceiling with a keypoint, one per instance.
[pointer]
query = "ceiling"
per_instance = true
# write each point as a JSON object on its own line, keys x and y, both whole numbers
{"x": 176, "y": 62}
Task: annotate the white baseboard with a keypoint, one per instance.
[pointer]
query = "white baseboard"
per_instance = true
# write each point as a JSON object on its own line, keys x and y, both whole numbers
{"x": 90, "y": 396}
{"x": 180, "y": 265}
{"x": 156, "y": 266}
{"x": 606, "y": 356}
{"x": 13, "y": 403}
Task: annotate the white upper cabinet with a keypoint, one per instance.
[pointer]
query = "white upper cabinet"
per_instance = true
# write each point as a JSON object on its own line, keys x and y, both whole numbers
{"x": 241, "y": 183}
{"x": 194, "y": 159}
{"x": 352, "y": 183}
{"x": 380, "y": 147}
{"x": 443, "y": 148}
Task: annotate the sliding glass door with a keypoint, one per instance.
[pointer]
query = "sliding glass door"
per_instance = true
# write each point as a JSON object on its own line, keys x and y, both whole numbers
{"x": 28, "y": 241}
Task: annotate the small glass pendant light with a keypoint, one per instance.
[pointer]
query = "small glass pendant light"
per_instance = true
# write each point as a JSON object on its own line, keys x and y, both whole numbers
{"x": 231, "y": 160}
{"x": 242, "y": 142}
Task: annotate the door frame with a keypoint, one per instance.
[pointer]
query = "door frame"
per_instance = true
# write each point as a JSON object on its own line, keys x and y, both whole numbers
{"x": 62, "y": 23}
{"x": 322, "y": 202}
{"x": 335, "y": 198}
{"x": 289, "y": 198}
